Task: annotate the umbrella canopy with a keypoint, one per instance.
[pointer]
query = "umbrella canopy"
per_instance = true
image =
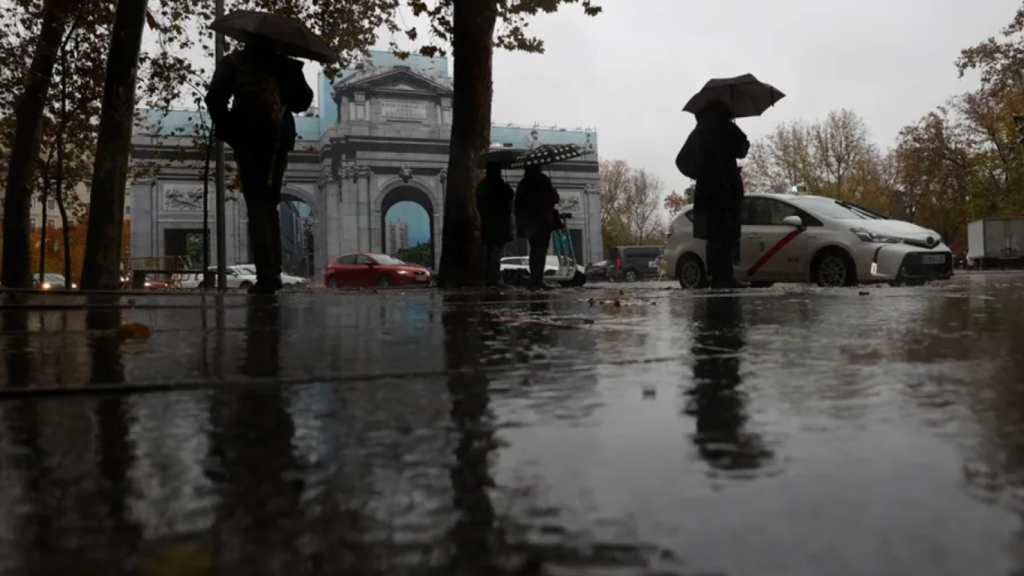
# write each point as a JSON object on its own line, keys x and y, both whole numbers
{"x": 290, "y": 37}
{"x": 503, "y": 156}
{"x": 548, "y": 154}
{"x": 746, "y": 95}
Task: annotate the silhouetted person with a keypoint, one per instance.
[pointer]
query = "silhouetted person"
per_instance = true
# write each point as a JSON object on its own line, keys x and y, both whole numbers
{"x": 265, "y": 89}
{"x": 717, "y": 401}
{"x": 719, "y": 192}
{"x": 494, "y": 203}
{"x": 536, "y": 199}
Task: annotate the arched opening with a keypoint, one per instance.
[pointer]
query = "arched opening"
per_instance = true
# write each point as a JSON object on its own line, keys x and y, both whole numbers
{"x": 297, "y": 236}
{"x": 407, "y": 226}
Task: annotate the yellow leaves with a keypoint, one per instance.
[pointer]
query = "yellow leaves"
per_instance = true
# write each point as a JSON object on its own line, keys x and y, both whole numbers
{"x": 132, "y": 331}
{"x": 178, "y": 559}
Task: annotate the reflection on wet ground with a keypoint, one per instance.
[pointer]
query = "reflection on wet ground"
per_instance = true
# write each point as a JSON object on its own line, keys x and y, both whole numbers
{"x": 791, "y": 431}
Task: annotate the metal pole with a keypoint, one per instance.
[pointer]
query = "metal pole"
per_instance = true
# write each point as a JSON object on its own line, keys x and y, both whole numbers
{"x": 222, "y": 243}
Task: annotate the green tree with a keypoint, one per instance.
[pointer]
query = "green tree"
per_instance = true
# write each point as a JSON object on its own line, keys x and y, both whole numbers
{"x": 631, "y": 204}
{"x": 102, "y": 267}
{"x": 23, "y": 159}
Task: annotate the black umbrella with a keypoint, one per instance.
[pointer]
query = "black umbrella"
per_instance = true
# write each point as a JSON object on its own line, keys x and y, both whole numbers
{"x": 746, "y": 95}
{"x": 290, "y": 37}
{"x": 503, "y": 156}
{"x": 548, "y": 154}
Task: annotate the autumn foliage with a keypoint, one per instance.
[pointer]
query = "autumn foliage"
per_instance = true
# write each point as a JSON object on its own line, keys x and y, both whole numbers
{"x": 55, "y": 248}
{"x": 958, "y": 163}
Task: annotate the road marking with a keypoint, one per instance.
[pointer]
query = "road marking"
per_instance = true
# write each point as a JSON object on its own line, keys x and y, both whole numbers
{"x": 773, "y": 251}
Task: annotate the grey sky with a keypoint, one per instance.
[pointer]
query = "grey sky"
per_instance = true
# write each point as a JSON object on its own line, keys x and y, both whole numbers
{"x": 629, "y": 71}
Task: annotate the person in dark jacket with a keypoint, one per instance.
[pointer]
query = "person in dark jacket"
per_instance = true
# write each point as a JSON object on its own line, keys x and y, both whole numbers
{"x": 718, "y": 195}
{"x": 494, "y": 203}
{"x": 265, "y": 89}
{"x": 536, "y": 199}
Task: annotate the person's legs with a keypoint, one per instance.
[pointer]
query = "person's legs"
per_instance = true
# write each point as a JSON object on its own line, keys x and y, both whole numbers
{"x": 540, "y": 240}
{"x": 719, "y": 259}
{"x": 489, "y": 265}
{"x": 252, "y": 172}
{"x": 274, "y": 217}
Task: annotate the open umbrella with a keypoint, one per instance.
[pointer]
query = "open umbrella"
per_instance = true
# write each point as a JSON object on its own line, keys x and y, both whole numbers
{"x": 503, "y": 156}
{"x": 290, "y": 37}
{"x": 746, "y": 95}
{"x": 548, "y": 154}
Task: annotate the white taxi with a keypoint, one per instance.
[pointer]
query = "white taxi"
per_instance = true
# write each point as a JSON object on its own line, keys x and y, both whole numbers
{"x": 793, "y": 238}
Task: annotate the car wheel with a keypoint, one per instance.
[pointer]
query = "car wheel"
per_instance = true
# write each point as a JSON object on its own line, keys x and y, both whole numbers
{"x": 578, "y": 279}
{"x": 834, "y": 269}
{"x": 332, "y": 282}
{"x": 630, "y": 275}
{"x": 245, "y": 285}
{"x": 690, "y": 273}
{"x": 384, "y": 281}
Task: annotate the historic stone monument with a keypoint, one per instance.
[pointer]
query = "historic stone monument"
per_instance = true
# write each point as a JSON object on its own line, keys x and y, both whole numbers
{"x": 380, "y": 137}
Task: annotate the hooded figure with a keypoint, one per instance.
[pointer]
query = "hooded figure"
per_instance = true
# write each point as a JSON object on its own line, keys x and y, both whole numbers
{"x": 718, "y": 195}
{"x": 536, "y": 199}
{"x": 494, "y": 204}
{"x": 265, "y": 89}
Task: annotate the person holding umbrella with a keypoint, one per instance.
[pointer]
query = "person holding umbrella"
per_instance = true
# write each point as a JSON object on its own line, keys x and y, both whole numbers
{"x": 265, "y": 88}
{"x": 710, "y": 156}
{"x": 494, "y": 204}
{"x": 536, "y": 198}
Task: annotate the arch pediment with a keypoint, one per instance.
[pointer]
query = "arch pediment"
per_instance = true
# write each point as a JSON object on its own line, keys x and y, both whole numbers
{"x": 397, "y": 79}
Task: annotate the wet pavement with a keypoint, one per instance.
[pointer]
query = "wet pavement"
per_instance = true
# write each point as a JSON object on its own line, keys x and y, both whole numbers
{"x": 785, "y": 432}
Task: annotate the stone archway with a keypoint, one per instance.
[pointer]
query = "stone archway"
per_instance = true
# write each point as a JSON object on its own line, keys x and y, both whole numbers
{"x": 300, "y": 243}
{"x": 408, "y": 193}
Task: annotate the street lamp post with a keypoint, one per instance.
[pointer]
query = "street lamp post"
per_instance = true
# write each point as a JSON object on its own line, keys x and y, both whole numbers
{"x": 222, "y": 243}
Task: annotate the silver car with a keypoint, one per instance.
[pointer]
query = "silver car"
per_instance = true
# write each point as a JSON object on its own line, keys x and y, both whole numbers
{"x": 792, "y": 238}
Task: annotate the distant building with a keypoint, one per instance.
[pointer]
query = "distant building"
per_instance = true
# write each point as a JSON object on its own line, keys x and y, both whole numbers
{"x": 398, "y": 237}
{"x": 48, "y": 214}
{"x": 292, "y": 251}
{"x": 380, "y": 137}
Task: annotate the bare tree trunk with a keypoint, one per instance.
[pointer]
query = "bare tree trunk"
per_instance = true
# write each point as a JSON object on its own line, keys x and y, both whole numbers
{"x": 65, "y": 228}
{"x": 17, "y": 262}
{"x": 473, "y": 48}
{"x": 102, "y": 262}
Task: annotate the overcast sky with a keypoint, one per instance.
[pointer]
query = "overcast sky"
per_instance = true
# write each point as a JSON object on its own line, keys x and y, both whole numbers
{"x": 629, "y": 71}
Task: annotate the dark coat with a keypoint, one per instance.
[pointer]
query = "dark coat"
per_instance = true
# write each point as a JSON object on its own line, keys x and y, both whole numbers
{"x": 494, "y": 203}
{"x": 718, "y": 195}
{"x": 536, "y": 199}
{"x": 296, "y": 96}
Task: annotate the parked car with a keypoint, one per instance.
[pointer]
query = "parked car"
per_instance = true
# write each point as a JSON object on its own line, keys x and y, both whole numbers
{"x": 50, "y": 281}
{"x": 239, "y": 276}
{"x": 516, "y": 269}
{"x": 794, "y": 238}
{"x": 372, "y": 269}
{"x": 632, "y": 263}
{"x": 597, "y": 271}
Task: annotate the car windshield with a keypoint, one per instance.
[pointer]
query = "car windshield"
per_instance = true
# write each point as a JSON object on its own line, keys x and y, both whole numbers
{"x": 386, "y": 260}
{"x": 836, "y": 209}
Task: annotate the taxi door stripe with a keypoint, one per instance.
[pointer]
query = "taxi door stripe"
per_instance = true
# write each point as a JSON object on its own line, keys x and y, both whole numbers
{"x": 773, "y": 251}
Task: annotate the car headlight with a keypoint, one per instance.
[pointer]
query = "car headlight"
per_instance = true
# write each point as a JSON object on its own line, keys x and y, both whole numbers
{"x": 869, "y": 236}
{"x": 46, "y": 286}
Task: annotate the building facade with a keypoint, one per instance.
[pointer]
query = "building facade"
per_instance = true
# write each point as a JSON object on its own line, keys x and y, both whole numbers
{"x": 398, "y": 237}
{"x": 380, "y": 137}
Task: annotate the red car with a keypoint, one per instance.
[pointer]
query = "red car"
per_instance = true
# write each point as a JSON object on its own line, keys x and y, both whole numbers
{"x": 367, "y": 269}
